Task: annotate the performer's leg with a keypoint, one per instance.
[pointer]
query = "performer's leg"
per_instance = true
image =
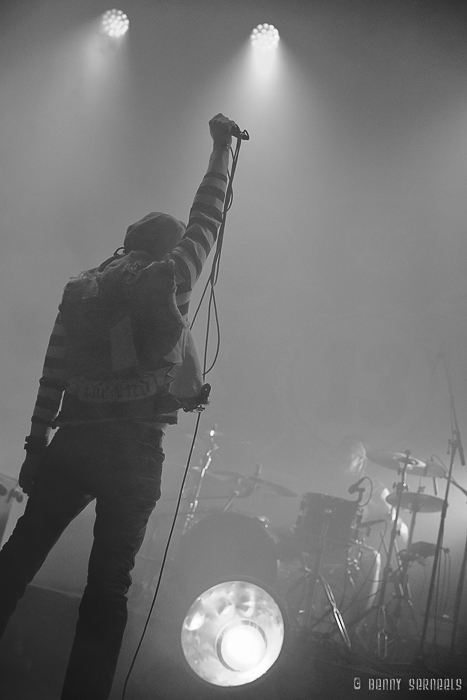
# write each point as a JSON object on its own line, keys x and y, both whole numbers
{"x": 52, "y": 505}
{"x": 122, "y": 513}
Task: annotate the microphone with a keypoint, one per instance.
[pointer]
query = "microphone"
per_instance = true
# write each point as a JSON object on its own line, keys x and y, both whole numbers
{"x": 243, "y": 135}
{"x": 355, "y": 486}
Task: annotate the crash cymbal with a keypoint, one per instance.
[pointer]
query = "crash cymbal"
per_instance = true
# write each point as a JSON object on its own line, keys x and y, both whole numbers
{"x": 225, "y": 476}
{"x": 421, "y": 502}
{"x": 272, "y": 489}
{"x": 247, "y": 482}
{"x": 397, "y": 460}
{"x": 174, "y": 499}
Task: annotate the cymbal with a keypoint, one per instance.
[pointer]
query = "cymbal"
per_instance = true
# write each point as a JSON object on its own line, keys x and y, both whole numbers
{"x": 225, "y": 476}
{"x": 397, "y": 460}
{"x": 251, "y": 481}
{"x": 421, "y": 502}
{"x": 200, "y": 498}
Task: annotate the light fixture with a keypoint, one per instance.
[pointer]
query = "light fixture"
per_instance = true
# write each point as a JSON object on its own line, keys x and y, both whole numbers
{"x": 234, "y": 632}
{"x": 265, "y": 37}
{"x": 115, "y": 23}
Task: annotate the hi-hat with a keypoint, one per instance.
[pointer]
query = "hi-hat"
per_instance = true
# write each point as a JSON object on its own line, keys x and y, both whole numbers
{"x": 420, "y": 502}
{"x": 247, "y": 482}
{"x": 397, "y": 460}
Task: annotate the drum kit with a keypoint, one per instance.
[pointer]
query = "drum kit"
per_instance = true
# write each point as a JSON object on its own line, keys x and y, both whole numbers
{"x": 329, "y": 539}
{"x": 301, "y": 562}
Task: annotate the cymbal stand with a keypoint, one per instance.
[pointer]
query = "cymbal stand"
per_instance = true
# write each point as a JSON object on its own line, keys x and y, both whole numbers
{"x": 460, "y": 585}
{"x": 381, "y": 627}
{"x": 194, "y": 495}
{"x": 402, "y": 588}
{"x": 312, "y": 577}
{"x": 455, "y": 445}
{"x": 382, "y": 636}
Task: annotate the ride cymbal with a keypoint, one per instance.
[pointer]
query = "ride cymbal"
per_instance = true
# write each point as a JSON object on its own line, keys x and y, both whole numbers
{"x": 420, "y": 502}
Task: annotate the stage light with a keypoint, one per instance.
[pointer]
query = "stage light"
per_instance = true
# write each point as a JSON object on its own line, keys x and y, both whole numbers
{"x": 115, "y": 23}
{"x": 241, "y": 645}
{"x": 265, "y": 37}
{"x": 233, "y": 633}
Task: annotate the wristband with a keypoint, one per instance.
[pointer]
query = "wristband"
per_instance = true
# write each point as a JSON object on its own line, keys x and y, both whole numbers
{"x": 35, "y": 444}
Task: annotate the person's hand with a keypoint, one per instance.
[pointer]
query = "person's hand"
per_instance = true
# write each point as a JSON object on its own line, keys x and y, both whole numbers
{"x": 221, "y": 130}
{"x": 28, "y": 472}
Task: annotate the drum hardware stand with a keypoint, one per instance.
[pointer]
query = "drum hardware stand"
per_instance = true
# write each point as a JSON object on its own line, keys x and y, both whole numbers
{"x": 312, "y": 577}
{"x": 458, "y": 599}
{"x": 339, "y": 620}
{"x": 402, "y": 586}
{"x": 194, "y": 495}
{"x": 381, "y": 626}
{"x": 454, "y": 445}
{"x": 356, "y": 540}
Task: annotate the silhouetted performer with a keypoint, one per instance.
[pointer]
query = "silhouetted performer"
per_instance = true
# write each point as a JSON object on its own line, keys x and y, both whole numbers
{"x": 120, "y": 363}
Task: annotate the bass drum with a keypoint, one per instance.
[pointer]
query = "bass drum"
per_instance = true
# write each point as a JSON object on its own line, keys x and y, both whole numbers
{"x": 224, "y": 545}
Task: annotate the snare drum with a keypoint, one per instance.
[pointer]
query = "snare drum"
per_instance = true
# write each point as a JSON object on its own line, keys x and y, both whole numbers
{"x": 325, "y": 521}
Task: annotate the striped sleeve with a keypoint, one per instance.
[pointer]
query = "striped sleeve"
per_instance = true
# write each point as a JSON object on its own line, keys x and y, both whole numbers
{"x": 51, "y": 383}
{"x": 200, "y": 236}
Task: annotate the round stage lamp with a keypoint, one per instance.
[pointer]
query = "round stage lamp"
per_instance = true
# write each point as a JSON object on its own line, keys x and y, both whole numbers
{"x": 265, "y": 37}
{"x": 233, "y": 633}
{"x": 115, "y": 23}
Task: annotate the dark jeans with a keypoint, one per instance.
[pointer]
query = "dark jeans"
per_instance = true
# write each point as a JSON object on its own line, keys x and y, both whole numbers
{"x": 120, "y": 466}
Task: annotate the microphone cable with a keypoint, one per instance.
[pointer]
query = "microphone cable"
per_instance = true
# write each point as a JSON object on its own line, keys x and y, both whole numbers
{"x": 214, "y": 274}
{"x": 211, "y": 283}
{"x": 164, "y": 560}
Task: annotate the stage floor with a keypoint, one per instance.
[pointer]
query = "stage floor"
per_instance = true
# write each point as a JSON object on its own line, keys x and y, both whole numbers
{"x": 34, "y": 651}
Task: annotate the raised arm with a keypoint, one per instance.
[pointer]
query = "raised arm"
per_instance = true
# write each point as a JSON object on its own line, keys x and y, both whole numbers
{"x": 205, "y": 214}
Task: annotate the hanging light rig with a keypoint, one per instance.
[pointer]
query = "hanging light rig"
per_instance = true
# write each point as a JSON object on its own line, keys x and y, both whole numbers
{"x": 115, "y": 23}
{"x": 233, "y": 633}
{"x": 265, "y": 37}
